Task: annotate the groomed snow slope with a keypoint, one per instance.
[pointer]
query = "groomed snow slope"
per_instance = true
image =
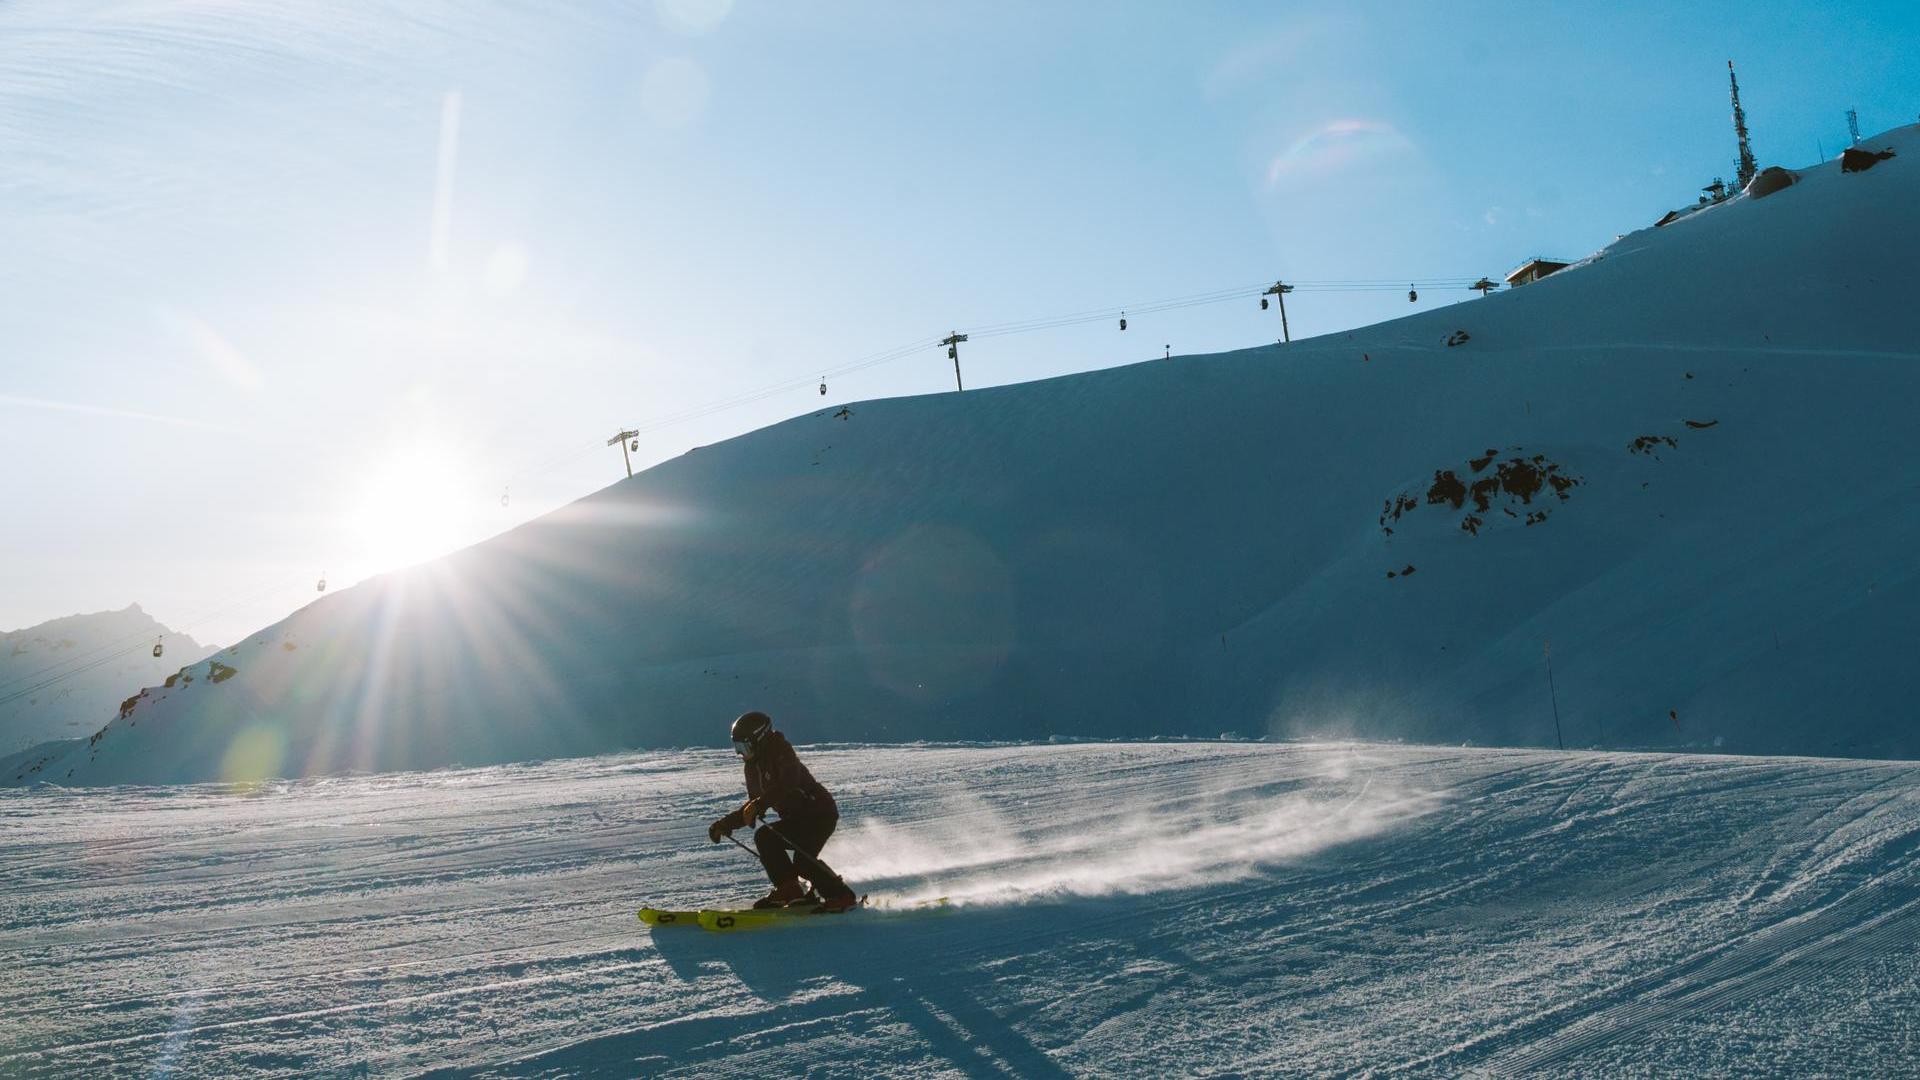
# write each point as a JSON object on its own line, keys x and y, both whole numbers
{"x": 1686, "y": 462}
{"x": 1125, "y": 910}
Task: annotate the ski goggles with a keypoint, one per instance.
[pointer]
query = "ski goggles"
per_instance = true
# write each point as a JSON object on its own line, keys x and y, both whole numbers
{"x": 744, "y": 749}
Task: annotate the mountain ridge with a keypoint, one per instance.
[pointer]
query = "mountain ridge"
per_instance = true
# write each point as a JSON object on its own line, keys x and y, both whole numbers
{"x": 64, "y": 676}
{"x": 1199, "y": 544}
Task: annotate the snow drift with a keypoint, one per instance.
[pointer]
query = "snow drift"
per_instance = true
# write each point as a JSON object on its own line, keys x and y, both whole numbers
{"x": 1685, "y": 463}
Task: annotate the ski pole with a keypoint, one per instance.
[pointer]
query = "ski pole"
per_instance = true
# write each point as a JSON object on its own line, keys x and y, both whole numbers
{"x": 801, "y": 854}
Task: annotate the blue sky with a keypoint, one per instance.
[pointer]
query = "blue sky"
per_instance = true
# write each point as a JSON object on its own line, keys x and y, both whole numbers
{"x": 305, "y": 287}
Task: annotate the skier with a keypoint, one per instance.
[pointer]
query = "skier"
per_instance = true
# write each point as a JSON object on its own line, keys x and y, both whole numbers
{"x": 777, "y": 781}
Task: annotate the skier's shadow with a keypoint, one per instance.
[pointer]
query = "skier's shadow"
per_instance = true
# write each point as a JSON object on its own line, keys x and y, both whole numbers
{"x": 922, "y": 968}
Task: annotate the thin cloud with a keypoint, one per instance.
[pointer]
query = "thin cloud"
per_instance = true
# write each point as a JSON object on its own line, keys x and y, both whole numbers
{"x": 675, "y": 91}
{"x": 448, "y": 159}
{"x": 109, "y": 411}
{"x": 692, "y": 17}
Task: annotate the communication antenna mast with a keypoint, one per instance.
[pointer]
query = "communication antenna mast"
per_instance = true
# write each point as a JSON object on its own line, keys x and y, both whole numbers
{"x": 1744, "y": 170}
{"x": 1853, "y": 125}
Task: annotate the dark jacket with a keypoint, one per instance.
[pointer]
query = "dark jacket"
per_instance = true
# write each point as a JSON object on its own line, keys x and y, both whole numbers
{"x": 776, "y": 778}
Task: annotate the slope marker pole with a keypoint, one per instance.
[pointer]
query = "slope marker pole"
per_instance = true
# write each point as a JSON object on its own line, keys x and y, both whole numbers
{"x": 1554, "y": 696}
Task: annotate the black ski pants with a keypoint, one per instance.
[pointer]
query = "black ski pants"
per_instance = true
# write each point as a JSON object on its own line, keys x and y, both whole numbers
{"x": 806, "y": 835}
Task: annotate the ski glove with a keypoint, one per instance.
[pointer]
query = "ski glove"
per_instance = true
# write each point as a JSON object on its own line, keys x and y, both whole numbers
{"x": 719, "y": 829}
{"x": 750, "y": 811}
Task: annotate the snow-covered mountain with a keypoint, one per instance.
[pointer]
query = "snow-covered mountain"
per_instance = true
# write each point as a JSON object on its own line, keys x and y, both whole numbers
{"x": 67, "y": 676}
{"x": 1686, "y": 462}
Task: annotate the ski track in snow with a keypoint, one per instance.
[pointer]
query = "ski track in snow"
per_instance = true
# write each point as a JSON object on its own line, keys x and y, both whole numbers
{"x": 1144, "y": 909}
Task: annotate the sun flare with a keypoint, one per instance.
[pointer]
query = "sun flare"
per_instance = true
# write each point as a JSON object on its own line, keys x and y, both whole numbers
{"x": 409, "y": 510}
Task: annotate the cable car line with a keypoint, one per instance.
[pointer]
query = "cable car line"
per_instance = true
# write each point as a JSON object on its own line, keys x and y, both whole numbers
{"x": 1004, "y": 329}
{"x": 43, "y": 677}
{"x": 127, "y": 644}
{"x": 1125, "y": 315}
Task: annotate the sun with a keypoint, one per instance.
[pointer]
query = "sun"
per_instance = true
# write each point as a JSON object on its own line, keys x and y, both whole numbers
{"x": 410, "y": 509}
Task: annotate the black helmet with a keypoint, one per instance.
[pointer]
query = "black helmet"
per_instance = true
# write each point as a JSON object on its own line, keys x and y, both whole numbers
{"x": 748, "y": 730}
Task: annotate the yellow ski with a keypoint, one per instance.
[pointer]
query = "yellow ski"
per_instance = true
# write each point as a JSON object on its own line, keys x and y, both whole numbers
{"x": 660, "y": 917}
{"x": 749, "y": 918}
{"x": 724, "y": 919}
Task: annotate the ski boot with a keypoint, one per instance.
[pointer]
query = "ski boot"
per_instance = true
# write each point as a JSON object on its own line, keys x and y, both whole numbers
{"x": 784, "y": 893}
{"x": 837, "y": 898}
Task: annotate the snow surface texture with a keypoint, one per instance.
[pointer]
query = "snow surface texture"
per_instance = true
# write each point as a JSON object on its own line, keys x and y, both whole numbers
{"x": 104, "y": 656}
{"x": 1686, "y": 462}
{"x": 1123, "y": 910}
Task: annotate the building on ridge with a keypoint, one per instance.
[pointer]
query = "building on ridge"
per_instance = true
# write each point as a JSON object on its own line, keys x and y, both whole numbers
{"x": 1534, "y": 269}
